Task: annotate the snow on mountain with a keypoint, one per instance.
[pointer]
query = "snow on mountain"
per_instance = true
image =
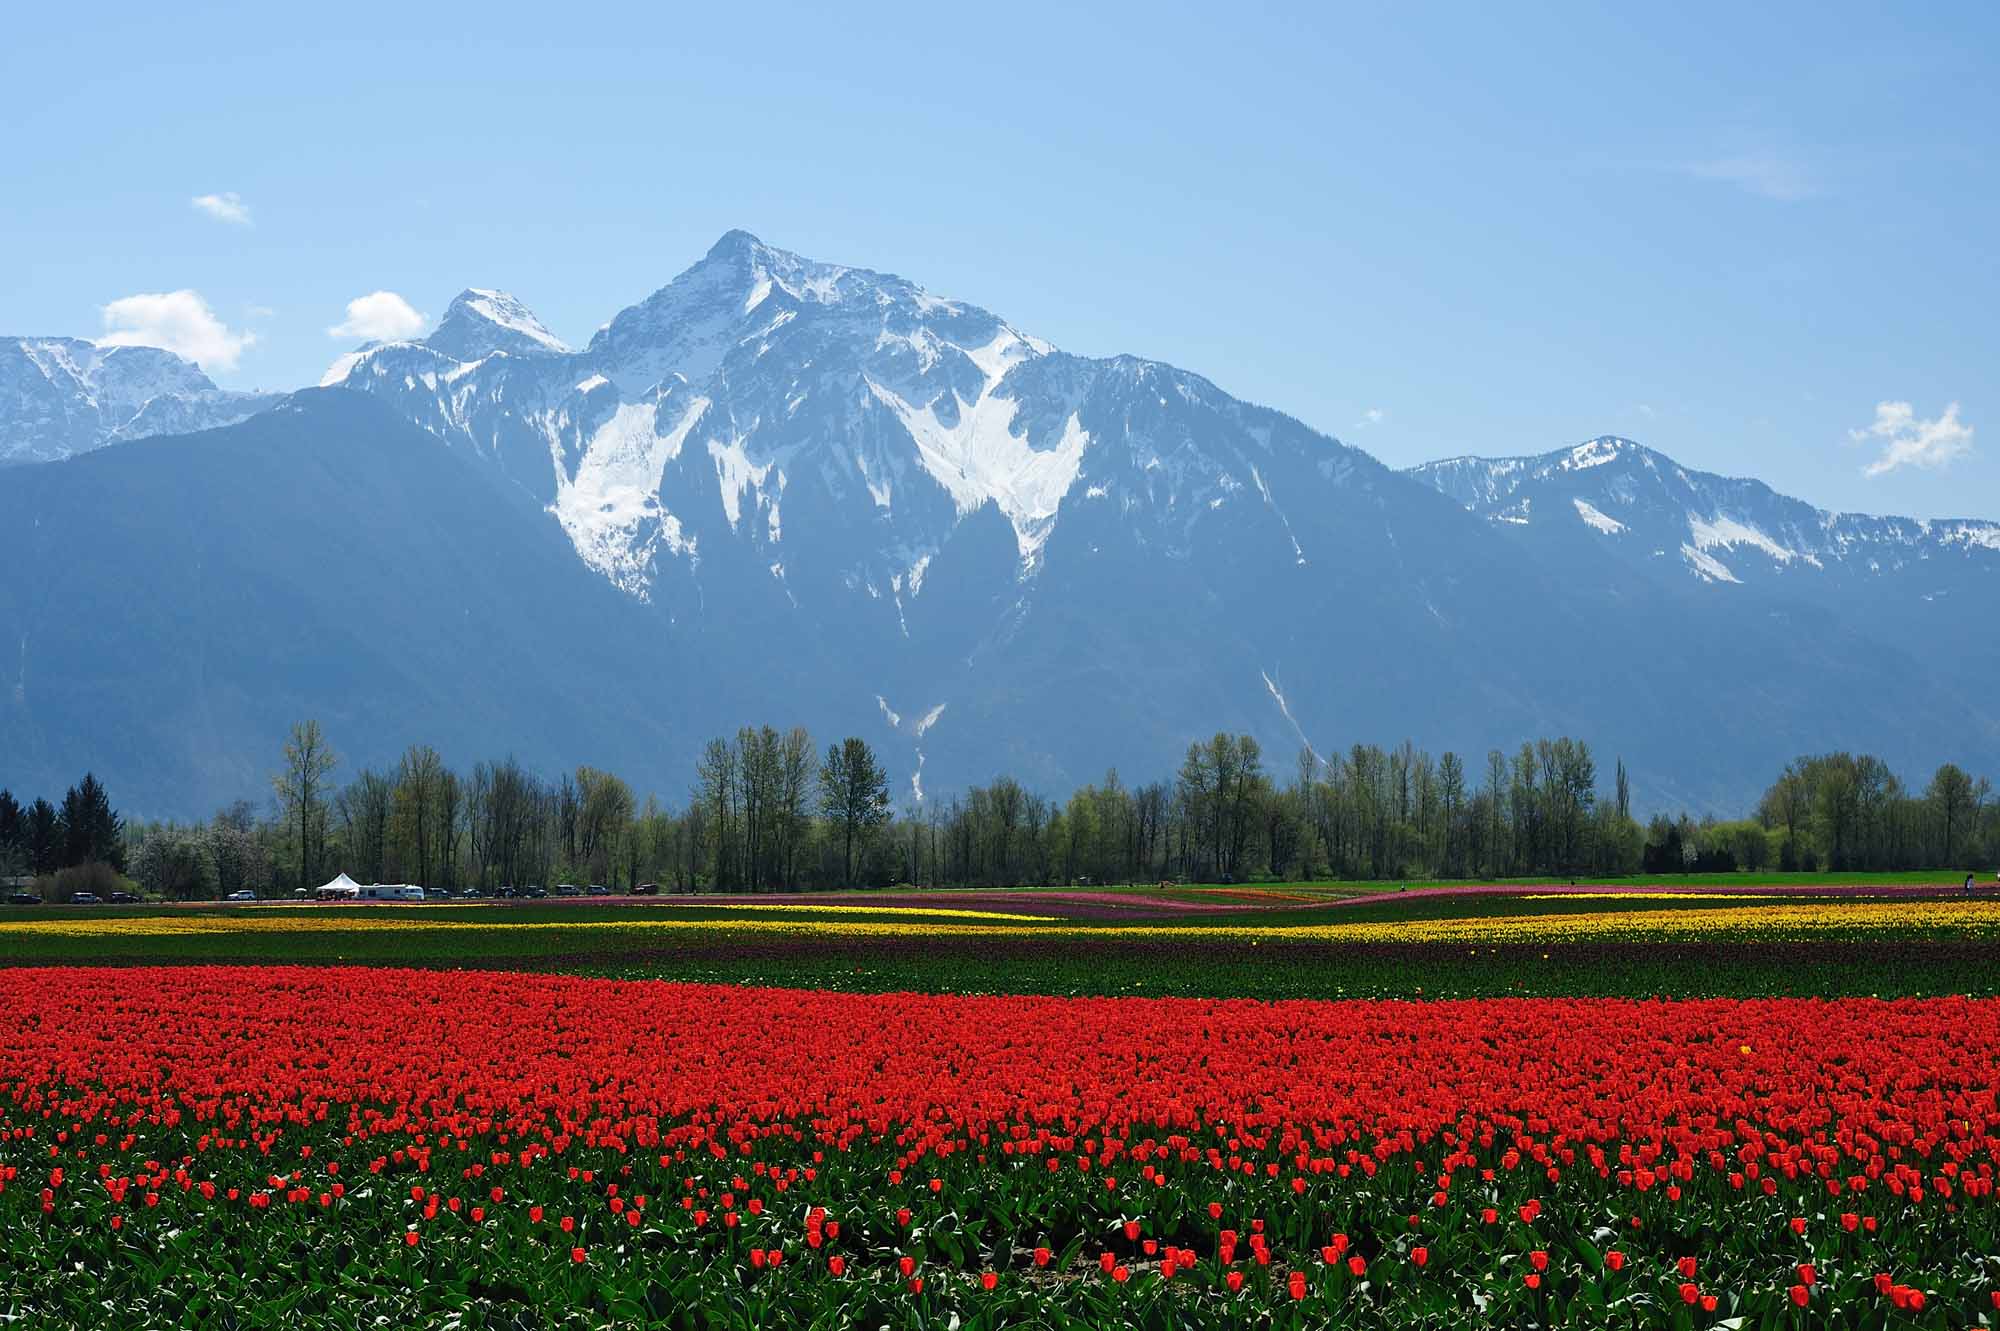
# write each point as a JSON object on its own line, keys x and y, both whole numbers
{"x": 693, "y": 417}
{"x": 480, "y": 322}
{"x": 1592, "y": 517}
{"x": 61, "y": 396}
{"x": 877, "y": 475}
{"x": 779, "y": 490}
{"x": 1713, "y": 529}
{"x": 907, "y": 500}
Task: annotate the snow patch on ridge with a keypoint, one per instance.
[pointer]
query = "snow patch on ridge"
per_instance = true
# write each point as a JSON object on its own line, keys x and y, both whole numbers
{"x": 735, "y": 473}
{"x": 1970, "y": 534}
{"x": 1003, "y": 353}
{"x": 337, "y": 372}
{"x": 1706, "y": 566}
{"x": 1604, "y": 522}
{"x": 610, "y": 508}
{"x": 1272, "y": 504}
{"x": 1728, "y": 533}
{"x": 980, "y": 459}
{"x": 1595, "y": 453}
{"x": 1278, "y": 696}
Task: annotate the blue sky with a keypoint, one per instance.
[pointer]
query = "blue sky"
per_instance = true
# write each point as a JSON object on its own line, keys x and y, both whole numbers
{"x": 1732, "y": 232}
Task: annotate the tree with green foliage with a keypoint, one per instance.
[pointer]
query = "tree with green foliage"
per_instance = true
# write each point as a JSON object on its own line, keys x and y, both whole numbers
{"x": 604, "y": 820}
{"x": 13, "y": 845}
{"x": 366, "y": 809}
{"x": 41, "y": 838}
{"x": 853, "y": 796}
{"x": 418, "y": 794}
{"x": 91, "y": 829}
{"x": 1950, "y": 800}
{"x": 301, "y": 787}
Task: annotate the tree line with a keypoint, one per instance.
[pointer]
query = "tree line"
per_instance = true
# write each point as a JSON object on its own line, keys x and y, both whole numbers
{"x": 767, "y": 810}
{"x": 41, "y": 839}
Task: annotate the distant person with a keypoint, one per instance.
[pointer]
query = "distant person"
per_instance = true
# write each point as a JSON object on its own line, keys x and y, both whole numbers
{"x": 1968, "y": 885}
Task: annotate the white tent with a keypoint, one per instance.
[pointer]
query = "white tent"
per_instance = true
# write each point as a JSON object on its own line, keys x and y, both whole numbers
{"x": 339, "y": 888}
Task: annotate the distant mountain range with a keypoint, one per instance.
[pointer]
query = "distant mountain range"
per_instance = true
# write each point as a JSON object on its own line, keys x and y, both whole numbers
{"x": 1651, "y": 514}
{"x": 787, "y": 491}
{"x": 60, "y": 396}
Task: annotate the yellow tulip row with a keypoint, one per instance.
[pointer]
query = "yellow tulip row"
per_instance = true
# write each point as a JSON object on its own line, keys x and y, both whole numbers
{"x": 1762, "y": 921}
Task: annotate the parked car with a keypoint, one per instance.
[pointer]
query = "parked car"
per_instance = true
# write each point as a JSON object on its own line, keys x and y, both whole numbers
{"x": 599, "y": 890}
{"x": 646, "y": 890}
{"x": 538, "y": 892}
{"x": 568, "y": 890}
{"x": 245, "y": 895}
{"x": 122, "y": 899}
{"x": 23, "y": 899}
{"x": 86, "y": 899}
{"x": 508, "y": 891}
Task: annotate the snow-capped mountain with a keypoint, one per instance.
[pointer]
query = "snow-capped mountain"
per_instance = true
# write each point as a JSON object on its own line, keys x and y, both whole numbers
{"x": 790, "y": 492}
{"x": 769, "y": 434}
{"x": 761, "y": 392}
{"x": 756, "y": 392}
{"x": 1640, "y": 506}
{"x": 60, "y": 396}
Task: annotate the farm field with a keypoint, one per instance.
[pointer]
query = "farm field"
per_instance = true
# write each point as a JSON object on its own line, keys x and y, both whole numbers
{"x": 1840, "y": 939}
{"x": 1733, "y": 1105}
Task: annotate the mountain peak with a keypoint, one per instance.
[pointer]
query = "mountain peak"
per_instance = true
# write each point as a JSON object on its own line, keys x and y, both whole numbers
{"x": 1604, "y": 446}
{"x": 481, "y": 321}
{"x": 734, "y": 242}
{"x": 743, "y": 264}
{"x": 686, "y": 325}
{"x": 1496, "y": 475}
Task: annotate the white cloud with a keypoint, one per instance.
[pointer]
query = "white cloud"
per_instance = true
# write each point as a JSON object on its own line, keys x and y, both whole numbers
{"x": 226, "y": 207}
{"x": 1372, "y": 416}
{"x": 1910, "y": 441}
{"x": 1768, "y": 175}
{"x": 179, "y": 321}
{"x": 380, "y": 316}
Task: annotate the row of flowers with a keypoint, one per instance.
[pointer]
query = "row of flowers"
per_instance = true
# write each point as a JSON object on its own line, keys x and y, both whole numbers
{"x": 1771, "y": 921}
{"x": 789, "y": 1154}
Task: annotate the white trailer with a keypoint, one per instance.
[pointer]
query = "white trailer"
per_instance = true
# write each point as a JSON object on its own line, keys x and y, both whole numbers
{"x": 392, "y": 892}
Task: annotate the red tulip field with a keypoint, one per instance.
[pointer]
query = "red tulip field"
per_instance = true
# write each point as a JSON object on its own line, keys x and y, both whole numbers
{"x": 353, "y": 1146}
